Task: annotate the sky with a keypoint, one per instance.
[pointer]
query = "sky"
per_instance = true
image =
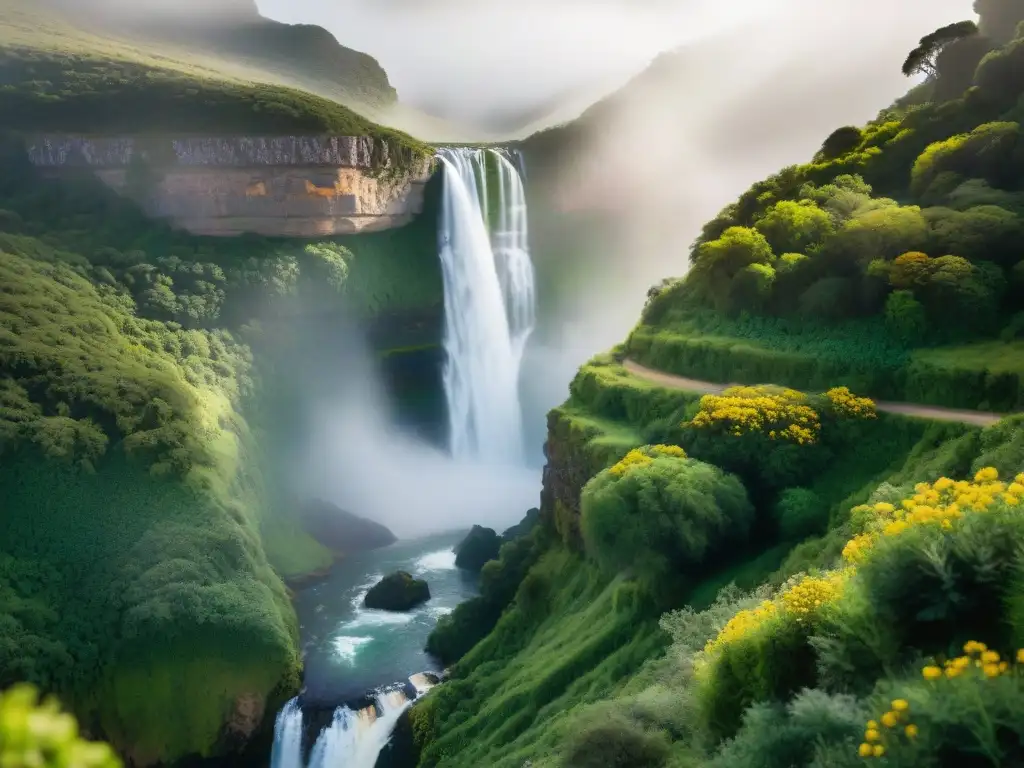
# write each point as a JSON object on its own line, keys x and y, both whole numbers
{"x": 473, "y": 59}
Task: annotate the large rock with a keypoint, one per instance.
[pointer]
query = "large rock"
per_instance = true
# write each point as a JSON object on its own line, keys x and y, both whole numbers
{"x": 283, "y": 186}
{"x": 523, "y": 527}
{"x": 397, "y": 591}
{"x": 479, "y": 546}
{"x": 341, "y": 531}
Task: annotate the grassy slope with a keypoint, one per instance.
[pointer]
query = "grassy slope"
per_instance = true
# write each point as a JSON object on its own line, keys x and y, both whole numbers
{"x": 58, "y": 77}
{"x": 508, "y": 703}
{"x": 527, "y": 689}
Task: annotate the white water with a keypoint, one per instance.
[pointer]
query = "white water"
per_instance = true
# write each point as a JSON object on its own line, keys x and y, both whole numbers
{"x": 354, "y": 739}
{"x": 489, "y": 304}
{"x": 287, "y": 751}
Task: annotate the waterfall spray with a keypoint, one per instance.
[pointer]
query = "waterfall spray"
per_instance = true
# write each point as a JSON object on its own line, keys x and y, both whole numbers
{"x": 489, "y": 304}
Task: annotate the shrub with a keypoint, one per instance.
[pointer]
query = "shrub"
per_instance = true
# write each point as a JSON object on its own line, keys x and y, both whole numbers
{"x": 984, "y": 153}
{"x": 905, "y": 316}
{"x": 616, "y": 744}
{"x": 963, "y": 711}
{"x": 658, "y": 512}
{"x": 777, "y": 736}
{"x": 800, "y": 513}
{"x": 40, "y": 735}
{"x": 763, "y": 654}
{"x": 841, "y": 141}
{"x": 942, "y": 563}
{"x": 794, "y": 226}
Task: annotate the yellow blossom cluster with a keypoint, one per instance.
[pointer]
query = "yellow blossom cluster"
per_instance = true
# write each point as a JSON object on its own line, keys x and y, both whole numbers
{"x": 942, "y": 503}
{"x": 807, "y": 596}
{"x": 977, "y": 658}
{"x": 893, "y": 723}
{"x": 848, "y": 405}
{"x": 801, "y": 599}
{"x": 639, "y": 457}
{"x": 781, "y": 414}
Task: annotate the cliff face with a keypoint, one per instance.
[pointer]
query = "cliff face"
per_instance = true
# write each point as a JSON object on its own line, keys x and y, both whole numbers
{"x": 278, "y": 186}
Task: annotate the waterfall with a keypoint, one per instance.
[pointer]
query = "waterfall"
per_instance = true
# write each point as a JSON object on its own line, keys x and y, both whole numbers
{"x": 488, "y": 300}
{"x": 287, "y": 749}
{"x": 354, "y": 739}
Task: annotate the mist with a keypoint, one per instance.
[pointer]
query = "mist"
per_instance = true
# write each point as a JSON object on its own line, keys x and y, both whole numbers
{"x": 359, "y": 458}
{"x": 688, "y": 137}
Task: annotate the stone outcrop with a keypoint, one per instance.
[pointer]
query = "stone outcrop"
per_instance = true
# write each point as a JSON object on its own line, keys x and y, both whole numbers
{"x": 397, "y": 591}
{"x": 289, "y": 186}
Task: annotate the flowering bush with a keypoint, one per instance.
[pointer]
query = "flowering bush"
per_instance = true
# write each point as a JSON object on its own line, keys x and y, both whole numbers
{"x": 781, "y": 414}
{"x": 761, "y": 652}
{"x": 961, "y": 711}
{"x": 659, "y": 513}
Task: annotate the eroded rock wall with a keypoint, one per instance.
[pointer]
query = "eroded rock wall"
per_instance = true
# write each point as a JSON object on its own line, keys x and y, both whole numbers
{"x": 290, "y": 186}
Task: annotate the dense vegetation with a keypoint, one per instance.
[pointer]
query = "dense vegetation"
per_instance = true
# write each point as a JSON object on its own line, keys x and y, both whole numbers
{"x": 898, "y": 242}
{"x": 144, "y": 537}
{"x": 767, "y": 577}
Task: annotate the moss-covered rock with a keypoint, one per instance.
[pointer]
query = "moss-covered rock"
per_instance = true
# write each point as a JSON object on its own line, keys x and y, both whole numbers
{"x": 523, "y": 527}
{"x": 480, "y": 545}
{"x": 397, "y": 591}
{"x": 341, "y": 531}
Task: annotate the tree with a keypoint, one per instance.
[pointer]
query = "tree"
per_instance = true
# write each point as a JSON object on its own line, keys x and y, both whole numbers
{"x": 841, "y": 141}
{"x": 921, "y": 60}
{"x": 794, "y": 226}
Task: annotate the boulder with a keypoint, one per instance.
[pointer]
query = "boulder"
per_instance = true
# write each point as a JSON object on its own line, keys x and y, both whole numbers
{"x": 523, "y": 527}
{"x": 343, "y": 532}
{"x": 397, "y": 591}
{"x": 479, "y": 546}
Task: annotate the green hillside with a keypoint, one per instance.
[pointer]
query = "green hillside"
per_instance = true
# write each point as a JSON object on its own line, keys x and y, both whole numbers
{"x": 782, "y": 575}
{"x": 58, "y": 75}
{"x": 143, "y": 407}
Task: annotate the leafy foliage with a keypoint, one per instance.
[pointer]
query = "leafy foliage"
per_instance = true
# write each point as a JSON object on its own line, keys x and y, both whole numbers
{"x": 40, "y": 734}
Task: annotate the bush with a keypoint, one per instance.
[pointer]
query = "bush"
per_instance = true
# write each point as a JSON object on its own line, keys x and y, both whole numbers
{"x": 40, "y": 735}
{"x": 800, "y": 513}
{"x": 841, "y": 141}
{"x": 616, "y": 744}
{"x": 905, "y": 316}
{"x": 963, "y": 711}
{"x": 778, "y": 736}
{"x": 659, "y": 513}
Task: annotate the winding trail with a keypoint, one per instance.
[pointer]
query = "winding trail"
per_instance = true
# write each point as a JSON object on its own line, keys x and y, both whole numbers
{"x": 935, "y": 412}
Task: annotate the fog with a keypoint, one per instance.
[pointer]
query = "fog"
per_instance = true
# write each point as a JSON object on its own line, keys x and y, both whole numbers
{"x": 723, "y": 112}
{"x": 358, "y": 458}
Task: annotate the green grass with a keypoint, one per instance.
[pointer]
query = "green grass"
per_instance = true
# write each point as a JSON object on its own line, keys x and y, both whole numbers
{"x": 985, "y": 375}
{"x": 58, "y": 78}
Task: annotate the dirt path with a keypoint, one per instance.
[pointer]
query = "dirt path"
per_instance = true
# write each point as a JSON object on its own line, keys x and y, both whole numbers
{"x": 980, "y": 418}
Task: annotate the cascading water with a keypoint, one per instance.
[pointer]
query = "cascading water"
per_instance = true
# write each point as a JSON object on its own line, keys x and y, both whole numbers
{"x": 354, "y": 739}
{"x": 489, "y": 303}
{"x": 287, "y": 750}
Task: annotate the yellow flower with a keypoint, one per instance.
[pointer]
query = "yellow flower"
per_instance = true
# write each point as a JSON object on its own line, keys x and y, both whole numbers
{"x": 872, "y": 735}
{"x": 889, "y": 719}
{"x": 931, "y": 673}
{"x": 990, "y": 657}
{"x": 865, "y": 750}
{"x": 878, "y": 750}
{"x": 900, "y": 705}
{"x": 973, "y": 646}
{"x": 873, "y": 725}
{"x": 911, "y": 731}
{"x": 1020, "y": 656}
{"x": 987, "y": 474}
{"x": 991, "y": 670}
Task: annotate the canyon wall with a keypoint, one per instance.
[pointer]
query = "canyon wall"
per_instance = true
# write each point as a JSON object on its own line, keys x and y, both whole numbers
{"x": 287, "y": 186}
